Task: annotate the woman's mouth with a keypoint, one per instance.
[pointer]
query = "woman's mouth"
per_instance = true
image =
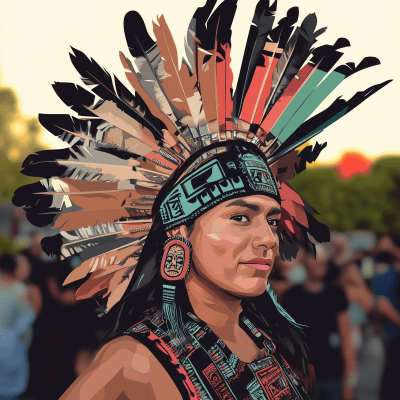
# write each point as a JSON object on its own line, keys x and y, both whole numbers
{"x": 263, "y": 264}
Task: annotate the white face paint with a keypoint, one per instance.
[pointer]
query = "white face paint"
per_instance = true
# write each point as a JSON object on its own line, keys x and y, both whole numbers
{"x": 235, "y": 244}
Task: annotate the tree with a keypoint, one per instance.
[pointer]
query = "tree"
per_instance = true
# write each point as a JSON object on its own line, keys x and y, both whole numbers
{"x": 365, "y": 202}
{"x": 19, "y": 137}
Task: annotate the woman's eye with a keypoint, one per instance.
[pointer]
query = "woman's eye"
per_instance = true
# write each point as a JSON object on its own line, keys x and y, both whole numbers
{"x": 273, "y": 222}
{"x": 240, "y": 218}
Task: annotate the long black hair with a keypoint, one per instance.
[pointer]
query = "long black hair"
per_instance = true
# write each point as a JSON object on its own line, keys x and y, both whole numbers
{"x": 145, "y": 292}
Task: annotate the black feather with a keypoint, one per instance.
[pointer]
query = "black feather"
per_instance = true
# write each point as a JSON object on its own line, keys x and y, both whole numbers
{"x": 288, "y": 248}
{"x": 308, "y": 155}
{"x": 218, "y": 27}
{"x": 51, "y": 244}
{"x": 44, "y": 163}
{"x": 296, "y": 51}
{"x": 350, "y": 68}
{"x": 58, "y": 124}
{"x": 61, "y": 124}
{"x": 24, "y": 197}
{"x": 42, "y": 220}
{"x": 262, "y": 22}
{"x": 136, "y": 101}
{"x": 197, "y": 23}
{"x": 75, "y": 97}
{"x": 283, "y": 31}
{"x": 46, "y": 155}
{"x": 327, "y": 55}
{"x": 137, "y": 37}
{"x": 318, "y": 231}
{"x": 317, "y": 123}
{"x": 92, "y": 74}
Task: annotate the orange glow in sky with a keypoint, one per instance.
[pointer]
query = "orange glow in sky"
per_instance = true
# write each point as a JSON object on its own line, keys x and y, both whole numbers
{"x": 352, "y": 164}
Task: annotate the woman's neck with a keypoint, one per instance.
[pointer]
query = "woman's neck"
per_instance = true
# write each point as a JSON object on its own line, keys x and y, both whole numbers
{"x": 218, "y": 309}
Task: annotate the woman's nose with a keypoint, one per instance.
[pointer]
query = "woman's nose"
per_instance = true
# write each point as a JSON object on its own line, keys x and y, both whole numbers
{"x": 264, "y": 237}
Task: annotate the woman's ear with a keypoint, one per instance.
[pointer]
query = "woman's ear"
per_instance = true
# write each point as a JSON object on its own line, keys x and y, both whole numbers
{"x": 181, "y": 231}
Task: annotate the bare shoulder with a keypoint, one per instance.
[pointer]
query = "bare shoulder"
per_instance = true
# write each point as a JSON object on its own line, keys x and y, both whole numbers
{"x": 124, "y": 346}
{"x": 123, "y": 369}
{"x": 134, "y": 357}
{"x": 122, "y": 342}
{"x": 142, "y": 370}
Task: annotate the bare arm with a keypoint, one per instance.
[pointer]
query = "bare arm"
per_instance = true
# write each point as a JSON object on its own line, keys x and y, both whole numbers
{"x": 356, "y": 288}
{"x": 348, "y": 353}
{"x": 123, "y": 369}
{"x": 385, "y": 310}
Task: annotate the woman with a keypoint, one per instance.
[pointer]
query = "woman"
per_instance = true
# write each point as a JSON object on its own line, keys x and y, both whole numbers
{"x": 234, "y": 247}
{"x": 332, "y": 348}
{"x": 175, "y": 199}
{"x": 16, "y": 318}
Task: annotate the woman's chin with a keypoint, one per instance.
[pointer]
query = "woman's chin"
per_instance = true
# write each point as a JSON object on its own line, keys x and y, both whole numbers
{"x": 250, "y": 287}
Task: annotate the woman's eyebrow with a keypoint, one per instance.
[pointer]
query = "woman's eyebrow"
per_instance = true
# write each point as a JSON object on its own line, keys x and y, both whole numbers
{"x": 243, "y": 203}
{"x": 274, "y": 211}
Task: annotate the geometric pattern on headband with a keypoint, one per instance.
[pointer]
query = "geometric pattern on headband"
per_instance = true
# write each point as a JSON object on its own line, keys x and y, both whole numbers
{"x": 234, "y": 173}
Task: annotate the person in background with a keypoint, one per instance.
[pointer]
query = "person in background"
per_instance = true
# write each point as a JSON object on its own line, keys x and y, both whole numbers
{"x": 16, "y": 318}
{"x": 341, "y": 253}
{"x": 58, "y": 332}
{"x": 67, "y": 344}
{"x": 287, "y": 273}
{"x": 386, "y": 285}
{"x": 364, "y": 302}
{"x": 15, "y": 222}
{"x": 23, "y": 274}
{"x": 365, "y": 306}
{"x": 329, "y": 335}
{"x": 279, "y": 278}
{"x": 342, "y": 270}
{"x": 345, "y": 271}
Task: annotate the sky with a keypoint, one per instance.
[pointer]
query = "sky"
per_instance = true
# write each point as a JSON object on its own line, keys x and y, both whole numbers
{"x": 35, "y": 39}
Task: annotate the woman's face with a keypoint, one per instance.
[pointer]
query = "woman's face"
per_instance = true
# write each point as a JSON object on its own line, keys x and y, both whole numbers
{"x": 235, "y": 244}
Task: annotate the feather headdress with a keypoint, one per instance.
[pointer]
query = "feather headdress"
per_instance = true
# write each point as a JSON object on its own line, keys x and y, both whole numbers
{"x": 98, "y": 194}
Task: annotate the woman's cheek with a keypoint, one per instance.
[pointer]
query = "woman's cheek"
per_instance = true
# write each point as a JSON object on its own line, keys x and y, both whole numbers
{"x": 222, "y": 239}
{"x": 224, "y": 248}
{"x": 223, "y": 251}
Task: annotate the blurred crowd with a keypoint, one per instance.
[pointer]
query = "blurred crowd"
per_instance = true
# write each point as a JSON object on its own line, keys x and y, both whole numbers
{"x": 47, "y": 338}
{"x": 348, "y": 298}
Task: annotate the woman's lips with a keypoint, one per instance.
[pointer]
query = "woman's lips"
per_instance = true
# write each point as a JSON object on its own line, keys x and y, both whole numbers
{"x": 263, "y": 264}
{"x": 263, "y": 267}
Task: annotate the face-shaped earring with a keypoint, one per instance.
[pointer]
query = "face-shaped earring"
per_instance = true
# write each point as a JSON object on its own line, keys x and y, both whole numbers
{"x": 174, "y": 269}
{"x": 176, "y": 259}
